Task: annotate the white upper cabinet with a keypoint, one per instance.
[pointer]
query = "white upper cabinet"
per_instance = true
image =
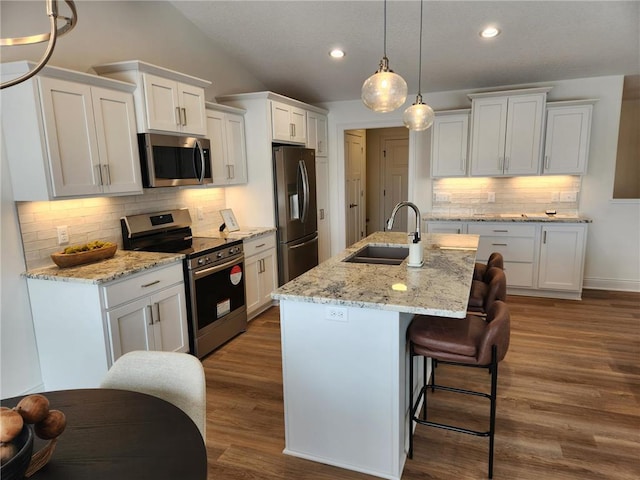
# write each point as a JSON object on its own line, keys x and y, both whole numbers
{"x": 449, "y": 139}
{"x": 506, "y": 132}
{"x": 568, "y": 133}
{"x": 69, "y": 134}
{"x": 289, "y": 123}
{"x": 166, "y": 101}
{"x": 317, "y": 135}
{"x": 226, "y": 132}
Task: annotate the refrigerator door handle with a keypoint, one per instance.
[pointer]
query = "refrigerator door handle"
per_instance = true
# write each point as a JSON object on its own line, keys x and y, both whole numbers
{"x": 314, "y": 239}
{"x": 305, "y": 190}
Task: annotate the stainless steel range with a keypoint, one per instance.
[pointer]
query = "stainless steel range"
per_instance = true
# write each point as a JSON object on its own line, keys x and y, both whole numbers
{"x": 214, "y": 274}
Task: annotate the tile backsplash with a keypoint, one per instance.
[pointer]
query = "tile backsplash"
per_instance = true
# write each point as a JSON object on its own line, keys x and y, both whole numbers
{"x": 99, "y": 218}
{"x": 512, "y": 195}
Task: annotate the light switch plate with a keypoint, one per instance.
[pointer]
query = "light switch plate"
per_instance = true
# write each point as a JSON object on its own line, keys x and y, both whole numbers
{"x": 63, "y": 234}
{"x": 491, "y": 197}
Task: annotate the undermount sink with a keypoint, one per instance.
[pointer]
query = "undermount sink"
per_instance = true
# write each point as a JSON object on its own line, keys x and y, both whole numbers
{"x": 383, "y": 255}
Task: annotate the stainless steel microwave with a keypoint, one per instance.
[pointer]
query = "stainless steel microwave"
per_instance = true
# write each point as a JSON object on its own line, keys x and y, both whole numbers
{"x": 170, "y": 161}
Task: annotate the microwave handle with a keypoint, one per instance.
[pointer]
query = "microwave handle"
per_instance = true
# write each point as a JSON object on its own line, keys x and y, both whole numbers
{"x": 198, "y": 148}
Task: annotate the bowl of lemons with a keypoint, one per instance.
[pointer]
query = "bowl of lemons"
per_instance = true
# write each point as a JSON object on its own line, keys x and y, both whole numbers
{"x": 86, "y": 253}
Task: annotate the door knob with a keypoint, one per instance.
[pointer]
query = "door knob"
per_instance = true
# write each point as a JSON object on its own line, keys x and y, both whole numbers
{"x": 351, "y": 205}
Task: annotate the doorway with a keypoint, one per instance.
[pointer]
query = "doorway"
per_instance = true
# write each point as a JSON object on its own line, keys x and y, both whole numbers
{"x": 376, "y": 178}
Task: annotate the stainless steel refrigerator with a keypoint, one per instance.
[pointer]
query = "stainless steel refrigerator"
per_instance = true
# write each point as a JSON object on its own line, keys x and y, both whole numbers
{"x": 294, "y": 171}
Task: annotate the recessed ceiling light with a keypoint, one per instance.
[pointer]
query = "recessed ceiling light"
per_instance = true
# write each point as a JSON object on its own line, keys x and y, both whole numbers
{"x": 337, "y": 53}
{"x": 490, "y": 32}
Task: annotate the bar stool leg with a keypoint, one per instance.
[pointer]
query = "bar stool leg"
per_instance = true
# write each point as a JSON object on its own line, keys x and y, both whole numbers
{"x": 410, "y": 454}
{"x": 494, "y": 394}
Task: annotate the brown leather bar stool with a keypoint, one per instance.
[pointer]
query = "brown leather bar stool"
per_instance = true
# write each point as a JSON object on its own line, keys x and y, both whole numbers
{"x": 480, "y": 269}
{"x": 468, "y": 342}
{"x": 485, "y": 292}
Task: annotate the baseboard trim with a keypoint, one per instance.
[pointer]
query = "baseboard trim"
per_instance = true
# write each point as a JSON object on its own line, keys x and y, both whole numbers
{"x": 612, "y": 284}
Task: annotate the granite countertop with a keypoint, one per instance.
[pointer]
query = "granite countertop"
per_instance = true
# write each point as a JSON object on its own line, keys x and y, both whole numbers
{"x": 245, "y": 233}
{"x": 440, "y": 287}
{"x": 123, "y": 263}
{"x": 507, "y": 217}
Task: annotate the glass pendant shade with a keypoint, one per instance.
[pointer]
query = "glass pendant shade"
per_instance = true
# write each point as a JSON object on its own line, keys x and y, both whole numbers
{"x": 384, "y": 91}
{"x": 418, "y": 116}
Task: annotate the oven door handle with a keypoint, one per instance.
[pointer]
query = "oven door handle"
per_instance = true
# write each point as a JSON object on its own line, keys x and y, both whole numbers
{"x": 216, "y": 268}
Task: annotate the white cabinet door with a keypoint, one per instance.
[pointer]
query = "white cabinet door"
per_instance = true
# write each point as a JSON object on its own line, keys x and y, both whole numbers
{"x": 115, "y": 121}
{"x": 191, "y": 103}
{"x": 71, "y": 137}
{"x": 288, "y": 123}
{"x": 228, "y": 147}
{"x": 236, "y": 149}
{"x": 130, "y": 328}
{"x": 252, "y": 269}
{"x": 449, "y": 139}
{"x": 488, "y": 134}
{"x": 173, "y": 106}
{"x": 506, "y": 134}
{"x": 567, "y": 139}
{"x": 170, "y": 320}
{"x": 216, "y": 134}
{"x": 322, "y": 202}
{"x": 269, "y": 276}
{"x": 525, "y": 114}
{"x": 317, "y": 133}
{"x": 161, "y": 101}
{"x": 562, "y": 257}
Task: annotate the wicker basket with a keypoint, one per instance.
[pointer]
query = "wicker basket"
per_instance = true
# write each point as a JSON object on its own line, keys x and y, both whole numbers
{"x": 64, "y": 260}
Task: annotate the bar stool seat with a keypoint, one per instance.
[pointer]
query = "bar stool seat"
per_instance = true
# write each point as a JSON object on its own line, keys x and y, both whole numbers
{"x": 469, "y": 342}
{"x": 480, "y": 269}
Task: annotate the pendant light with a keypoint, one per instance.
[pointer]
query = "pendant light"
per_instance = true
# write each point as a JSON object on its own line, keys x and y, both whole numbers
{"x": 418, "y": 116}
{"x": 384, "y": 91}
{"x": 52, "y": 13}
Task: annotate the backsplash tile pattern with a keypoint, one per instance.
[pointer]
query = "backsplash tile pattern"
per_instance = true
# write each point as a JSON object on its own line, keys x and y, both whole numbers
{"x": 99, "y": 218}
{"x": 469, "y": 196}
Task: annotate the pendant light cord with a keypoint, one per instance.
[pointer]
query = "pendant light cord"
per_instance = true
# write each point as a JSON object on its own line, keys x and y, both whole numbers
{"x": 384, "y": 16}
{"x": 420, "y": 52}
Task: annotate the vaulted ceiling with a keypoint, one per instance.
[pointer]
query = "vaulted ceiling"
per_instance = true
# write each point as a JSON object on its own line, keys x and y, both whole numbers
{"x": 285, "y": 44}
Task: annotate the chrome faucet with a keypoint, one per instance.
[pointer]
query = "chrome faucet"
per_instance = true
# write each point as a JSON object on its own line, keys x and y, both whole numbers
{"x": 416, "y": 235}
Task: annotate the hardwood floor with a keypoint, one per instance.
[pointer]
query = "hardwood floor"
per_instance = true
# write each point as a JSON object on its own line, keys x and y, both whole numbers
{"x": 568, "y": 407}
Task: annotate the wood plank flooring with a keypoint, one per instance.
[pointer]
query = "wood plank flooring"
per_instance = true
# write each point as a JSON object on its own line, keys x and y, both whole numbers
{"x": 568, "y": 407}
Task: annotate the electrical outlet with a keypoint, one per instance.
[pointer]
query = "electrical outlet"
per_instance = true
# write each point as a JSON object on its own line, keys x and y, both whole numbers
{"x": 63, "y": 234}
{"x": 442, "y": 197}
{"x": 337, "y": 314}
{"x": 568, "y": 196}
{"x": 491, "y": 197}
{"x": 555, "y": 197}
{"x": 199, "y": 213}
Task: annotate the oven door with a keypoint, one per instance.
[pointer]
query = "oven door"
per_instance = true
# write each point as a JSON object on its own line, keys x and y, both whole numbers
{"x": 216, "y": 292}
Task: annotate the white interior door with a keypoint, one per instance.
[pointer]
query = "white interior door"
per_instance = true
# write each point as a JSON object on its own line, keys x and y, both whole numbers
{"x": 355, "y": 184}
{"x": 395, "y": 157}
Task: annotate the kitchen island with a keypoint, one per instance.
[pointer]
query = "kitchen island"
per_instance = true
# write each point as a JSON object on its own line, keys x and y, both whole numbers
{"x": 344, "y": 350}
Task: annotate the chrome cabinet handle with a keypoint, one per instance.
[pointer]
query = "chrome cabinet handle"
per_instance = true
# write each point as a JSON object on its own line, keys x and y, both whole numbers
{"x": 501, "y": 231}
{"x": 150, "y": 314}
{"x": 99, "y": 174}
{"x": 184, "y": 114}
{"x": 546, "y": 162}
{"x": 155, "y": 310}
{"x": 150, "y": 284}
{"x": 544, "y": 237}
{"x": 178, "y": 116}
{"x": 233, "y": 171}
{"x": 507, "y": 163}
{"x": 106, "y": 174}
{"x": 500, "y": 244}
{"x": 261, "y": 245}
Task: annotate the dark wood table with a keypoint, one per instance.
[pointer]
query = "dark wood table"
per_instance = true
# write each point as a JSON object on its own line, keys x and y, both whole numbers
{"x": 118, "y": 434}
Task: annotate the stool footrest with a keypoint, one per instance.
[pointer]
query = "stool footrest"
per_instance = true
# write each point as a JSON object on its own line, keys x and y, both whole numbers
{"x": 452, "y": 428}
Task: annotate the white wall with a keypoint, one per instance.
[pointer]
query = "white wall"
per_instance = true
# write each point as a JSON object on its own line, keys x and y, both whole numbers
{"x": 613, "y": 255}
{"x": 107, "y": 31}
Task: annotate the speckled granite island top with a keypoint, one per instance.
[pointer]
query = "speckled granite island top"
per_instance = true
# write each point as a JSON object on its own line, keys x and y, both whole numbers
{"x": 440, "y": 287}
{"x": 507, "y": 217}
{"x": 123, "y": 263}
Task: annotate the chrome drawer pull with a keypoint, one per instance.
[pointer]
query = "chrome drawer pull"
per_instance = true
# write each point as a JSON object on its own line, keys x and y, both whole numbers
{"x": 149, "y": 284}
{"x": 499, "y": 244}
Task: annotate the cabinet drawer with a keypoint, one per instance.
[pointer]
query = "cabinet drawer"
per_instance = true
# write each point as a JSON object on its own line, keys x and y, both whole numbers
{"x": 519, "y": 274}
{"x": 502, "y": 230}
{"x": 513, "y": 249}
{"x": 143, "y": 284}
{"x": 260, "y": 244}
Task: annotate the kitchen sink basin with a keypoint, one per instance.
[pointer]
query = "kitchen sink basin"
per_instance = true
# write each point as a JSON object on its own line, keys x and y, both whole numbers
{"x": 383, "y": 255}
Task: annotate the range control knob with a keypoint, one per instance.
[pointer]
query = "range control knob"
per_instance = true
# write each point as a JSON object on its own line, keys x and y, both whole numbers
{"x": 219, "y": 255}
{"x": 201, "y": 261}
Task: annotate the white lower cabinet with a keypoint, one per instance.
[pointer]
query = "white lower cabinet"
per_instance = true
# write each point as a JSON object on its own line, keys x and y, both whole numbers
{"x": 261, "y": 269}
{"x": 562, "y": 257}
{"x": 540, "y": 259}
{"x": 82, "y": 328}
